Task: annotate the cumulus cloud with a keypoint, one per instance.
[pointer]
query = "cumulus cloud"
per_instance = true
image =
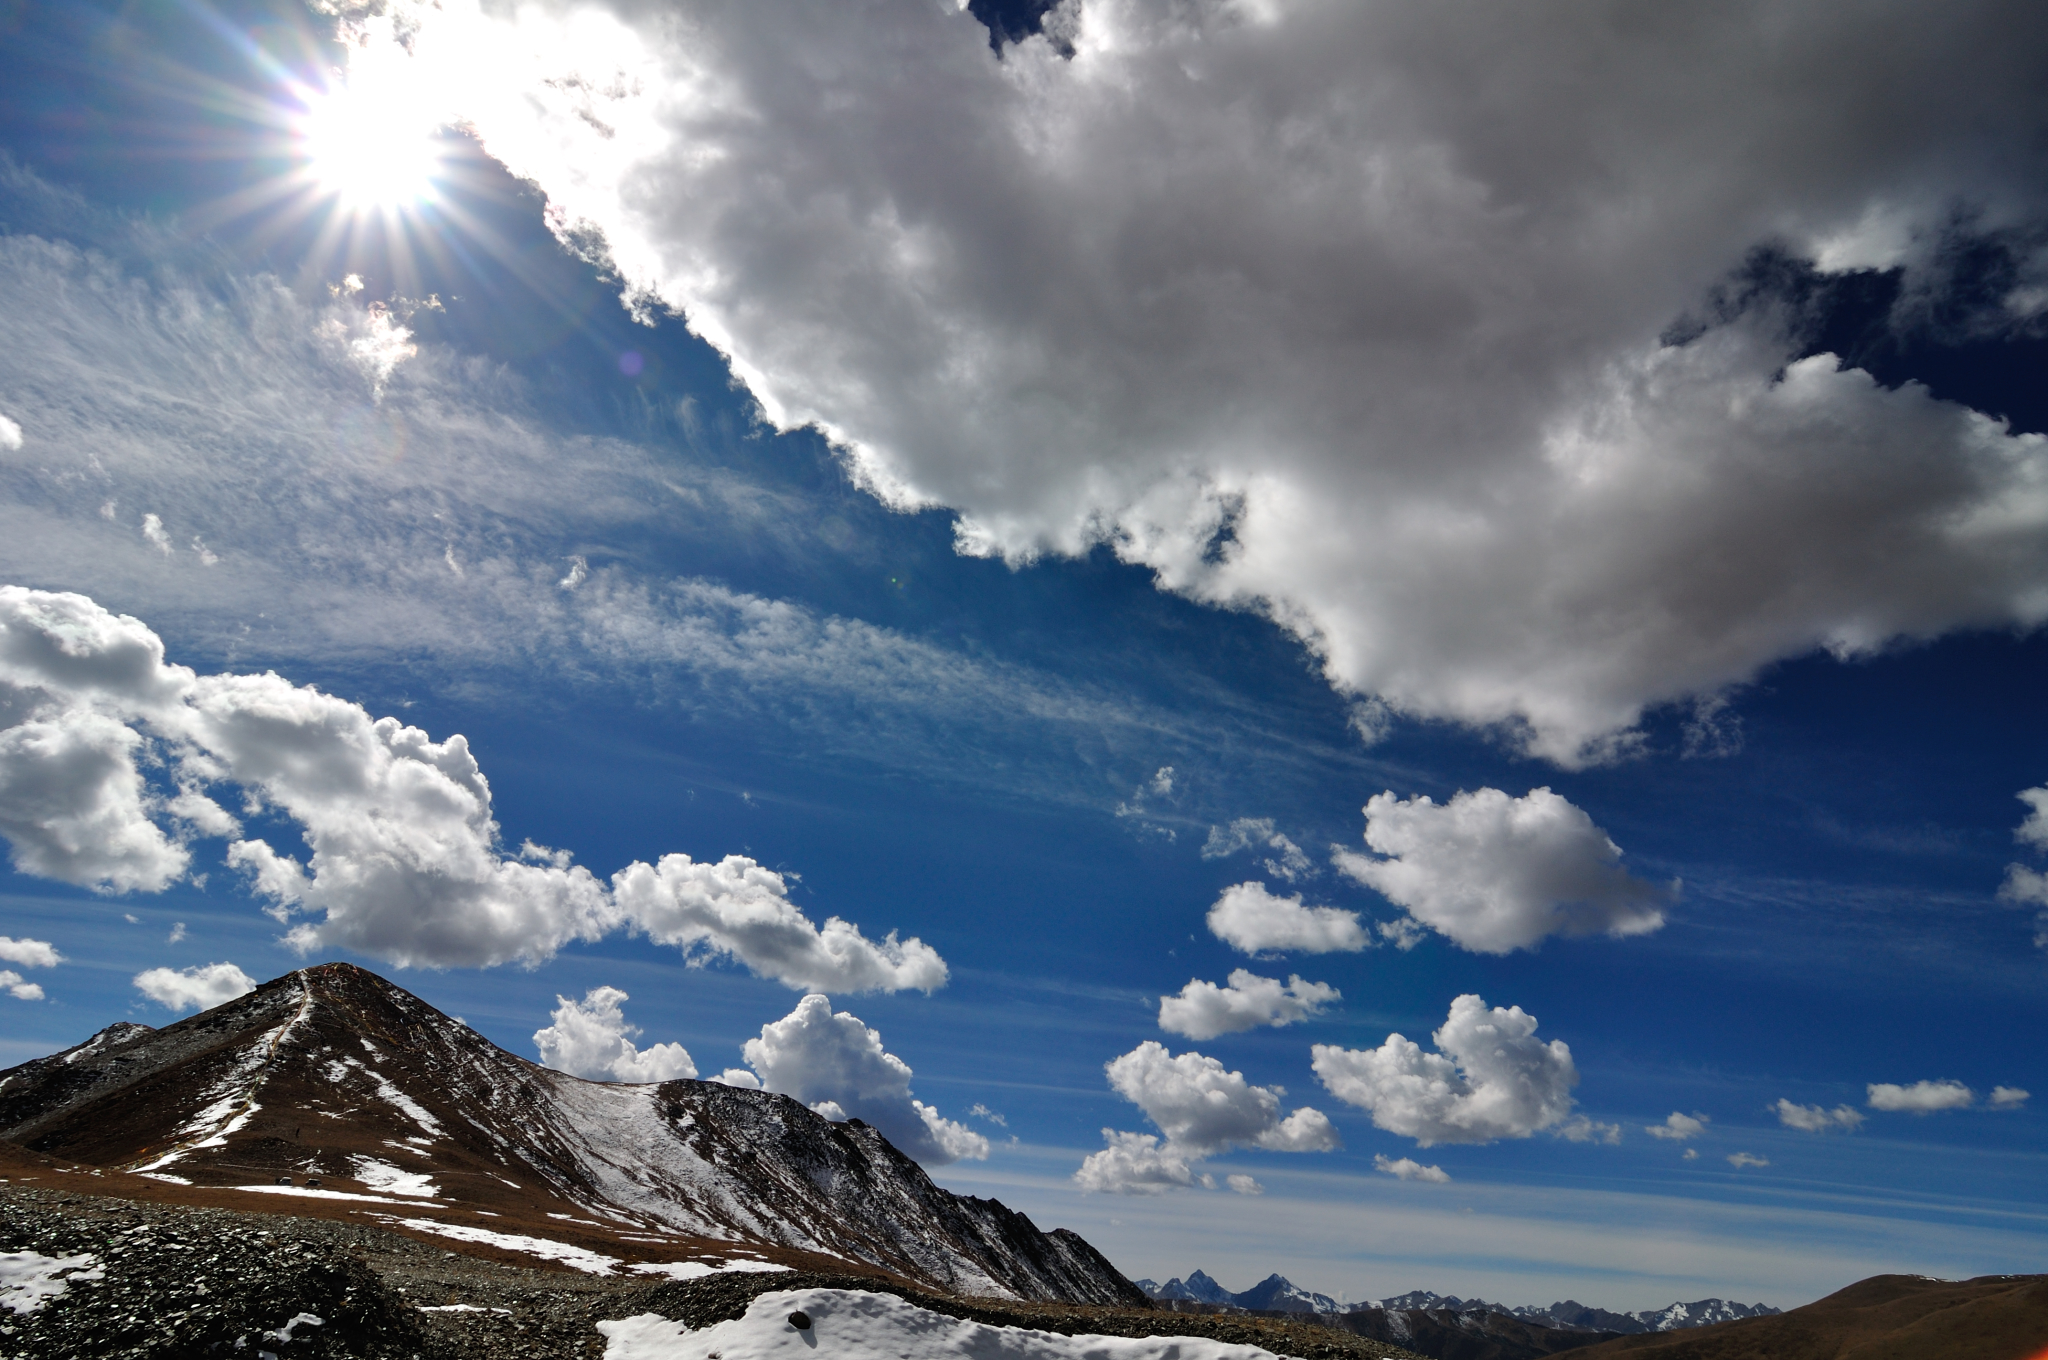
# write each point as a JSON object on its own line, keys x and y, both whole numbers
{"x": 29, "y": 953}
{"x": 1250, "y": 918}
{"x": 1250, "y": 833}
{"x": 405, "y": 859}
{"x": 2007, "y": 1097}
{"x": 19, "y": 987}
{"x": 1580, "y": 1129}
{"x": 10, "y": 434}
{"x": 1922, "y": 1097}
{"x": 593, "y": 1039}
{"x": 2021, "y": 883}
{"x": 1816, "y": 1118}
{"x": 1203, "y": 1010}
{"x": 1203, "y": 1109}
{"x": 837, "y": 1065}
{"x": 200, "y": 987}
{"x": 739, "y": 909}
{"x": 1241, "y": 1184}
{"x": 1739, "y": 1160}
{"x": 1402, "y": 376}
{"x": 1678, "y": 1127}
{"x": 1408, "y": 1169}
{"x": 1491, "y": 1078}
{"x": 1495, "y": 874}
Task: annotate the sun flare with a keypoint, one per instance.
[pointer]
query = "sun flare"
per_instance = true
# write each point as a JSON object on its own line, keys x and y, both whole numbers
{"x": 371, "y": 148}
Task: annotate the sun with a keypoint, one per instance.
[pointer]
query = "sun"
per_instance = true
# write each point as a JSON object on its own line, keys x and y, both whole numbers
{"x": 370, "y": 146}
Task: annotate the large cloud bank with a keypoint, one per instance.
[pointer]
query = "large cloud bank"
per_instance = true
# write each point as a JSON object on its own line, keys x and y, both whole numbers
{"x": 1491, "y": 1078}
{"x": 1360, "y": 314}
{"x": 836, "y": 1064}
{"x": 1496, "y": 874}
{"x": 404, "y": 859}
{"x": 1202, "y": 1109}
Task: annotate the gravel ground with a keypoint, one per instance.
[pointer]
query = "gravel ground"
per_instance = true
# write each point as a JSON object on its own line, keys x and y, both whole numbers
{"x": 190, "y": 1282}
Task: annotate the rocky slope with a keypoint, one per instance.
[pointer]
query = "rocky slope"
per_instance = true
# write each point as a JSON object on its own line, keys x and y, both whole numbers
{"x": 332, "y": 1085}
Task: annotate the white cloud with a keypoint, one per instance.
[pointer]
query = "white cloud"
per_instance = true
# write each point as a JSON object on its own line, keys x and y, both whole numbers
{"x": 1816, "y": 1118}
{"x": 1251, "y": 919}
{"x": 1241, "y": 1184}
{"x": 1492, "y": 1078}
{"x": 18, "y": 987}
{"x": 1202, "y": 1109}
{"x": 2007, "y": 1097}
{"x": 1922, "y": 1097}
{"x": 1247, "y": 833}
{"x": 200, "y": 987}
{"x": 2021, "y": 883}
{"x": 1135, "y": 1164}
{"x": 1408, "y": 1169}
{"x": 153, "y": 530}
{"x": 837, "y": 1066}
{"x": 1691, "y": 1154}
{"x": 1203, "y": 1010}
{"x": 405, "y": 860}
{"x": 1386, "y": 369}
{"x": 737, "y": 1076}
{"x": 592, "y": 1038}
{"x": 1739, "y": 1160}
{"x": 29, "y": 953}
{"x": 1580, "y": 1129}
{"x": 1678, "y": 1127}
{"x": 1496, "y": 874}
{"x": 177, "y": 935}
{"x": 740, "y": 909}
{"x": 10, "y": 434}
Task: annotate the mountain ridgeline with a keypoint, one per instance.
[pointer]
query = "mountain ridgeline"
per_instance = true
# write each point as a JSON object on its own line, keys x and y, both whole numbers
{"x": 1276, "y": 1294}
{"x": 332, "y": 1090}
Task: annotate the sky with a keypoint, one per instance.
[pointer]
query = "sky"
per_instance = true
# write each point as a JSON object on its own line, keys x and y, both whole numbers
{"x": 1397, "y": 644}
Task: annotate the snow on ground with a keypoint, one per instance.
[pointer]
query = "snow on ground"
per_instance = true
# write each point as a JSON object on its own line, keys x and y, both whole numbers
{"x": 29, "y": 1279}
{"x": 577, "y": 1258}
{"x": 338, "y": 1194}
{"x": 852, "y": 1324}
{"x": 697, "y": 1270}
{"x": 387, "y": 1179}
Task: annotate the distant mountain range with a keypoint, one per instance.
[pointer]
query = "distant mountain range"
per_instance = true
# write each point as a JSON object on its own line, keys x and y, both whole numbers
{"x": 332, "y": 1090}
{"x": 1277, "y": 1294}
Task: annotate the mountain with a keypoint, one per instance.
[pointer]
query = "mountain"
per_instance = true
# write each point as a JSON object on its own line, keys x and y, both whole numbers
{"x": 1887, "y": 1317}
{"x": 1274, "y": 1294}
{"x": 1574, "y": 1316}
{"x": 1197, "y": 1288}
{"x": 333, "y": 1090}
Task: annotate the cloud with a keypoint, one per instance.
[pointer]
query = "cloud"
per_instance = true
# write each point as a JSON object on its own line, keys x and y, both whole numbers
{"x": 2007, "y": 1097}
{"x": 1203, "y": 1010}
{"x": 1241, "y": 1184}
{"x": 1691, "y": 1154}
{"x": 1678, "y": 1127}
{"x": 1252, "y": 920}
{"x": 1202, "y": 1109}
{"x": 18, "y": 987}
{"x": 592, "y": 1038}
{"x": 1816, "y": 1119}
{"x": 1401, "y": 376}
{"x": 741, "y": 910}
{"x": 2021, "y": 883}
{"x": 29, "y": 953}
{"x": 1408, "y": 1169}
{"x": 200, "y": 987}
{"x": 405, "y": 861}
{"x": 1491, "y": 1078}
{"x": 1246, "y": 833}
{"x": 1922, "y": 1097}
{"x": 10, "y": 434}
{"x": 1580, "y": 1129}
{"x": 1739, "y": 1160}
{"x": 836, "y": 1065}
{"x": 1496, "y": 874}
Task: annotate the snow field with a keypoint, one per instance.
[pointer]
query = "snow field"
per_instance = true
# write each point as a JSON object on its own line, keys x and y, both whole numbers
{"x": 29, "y": 1279}
{"x": 851, "y": 1324}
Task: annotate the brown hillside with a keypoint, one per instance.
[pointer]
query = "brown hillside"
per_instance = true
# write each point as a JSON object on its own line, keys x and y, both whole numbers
{"x": 1886, "y": 1317}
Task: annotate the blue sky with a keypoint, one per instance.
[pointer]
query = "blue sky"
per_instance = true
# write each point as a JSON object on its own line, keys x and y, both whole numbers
{"x": 1023, "y": 506}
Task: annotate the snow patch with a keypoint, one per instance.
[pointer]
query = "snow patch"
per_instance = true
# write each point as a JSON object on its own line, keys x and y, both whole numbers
{"x": 29, "y": 1279}
{"x": 388, "y": 1179}
{"x": 697, "y": 1270}
{"x": 590, "y": 1262}
{"x": 857, "y": 1325}
{"x": 460, "y": 1308}
{"x": 338, "y": 1194}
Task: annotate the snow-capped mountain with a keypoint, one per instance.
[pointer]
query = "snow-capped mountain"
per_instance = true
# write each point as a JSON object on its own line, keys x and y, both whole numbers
{"x": 332, "y": 1084}
{"x": 1274, "y": 1294}
{"x": 1571, "y": 1315}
